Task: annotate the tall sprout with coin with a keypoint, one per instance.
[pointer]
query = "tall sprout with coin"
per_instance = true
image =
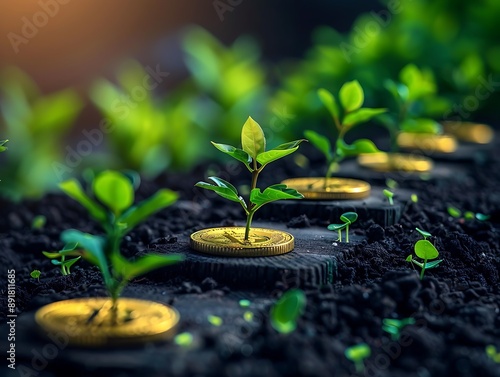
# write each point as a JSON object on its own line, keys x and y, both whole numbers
{"x": 346, "y": 115}
{"x": 254, "y": 156}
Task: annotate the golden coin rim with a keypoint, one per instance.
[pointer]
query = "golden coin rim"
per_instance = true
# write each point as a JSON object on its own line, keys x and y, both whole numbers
{"x": 115, "y": 338}
{"x": 210, "y": 248}
{"x": 392, "y": 165}
{"x": 318, "y": 194}
{"x": 438, "y": 140}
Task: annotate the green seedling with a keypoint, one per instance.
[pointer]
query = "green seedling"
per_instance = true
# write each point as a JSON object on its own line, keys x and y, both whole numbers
{"x": 467, "y": 215}
{"x": 255, "y": 157}
{"x": 244, "y": 303}
{"x": 395, "y": 326}
{"x": 492, "y": 353}
{"x": 425, "y": 250}
{"x": 347, "y": 218}
{"x": 287, "y": 310}
{"x": 35, "y": 274}
{"x": 2, "y": 145}
{"x": 248, "y": 316}
{"x": 357, "y": 354}
{"x": 38, "y": 222}
{"x": 184, "y": 339}
{"x": 414, "y": 198}
{"x": 215, "y": 320}
{"x": 345, "y": 118}
{"x": 59, "y": 258}
{"x": 389, "y": 195}
{"x": 112, "y": 206}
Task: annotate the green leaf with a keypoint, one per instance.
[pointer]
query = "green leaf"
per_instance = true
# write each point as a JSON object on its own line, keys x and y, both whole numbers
{"x": 421, "y": 126}
{"x": 329, "y": 102}
{"x": 287, "y": 310}
{"x": 454, "y": 212}
{"x": 71, "y": 262}
{"x": 2, "y": 145}
{"x": 278, "y": 152}
{"x": 409, "y": 258}
{"x": 432, "y": 264}
{"x": 222, "y": 188}
{"x": 351, "y": 96}
{"x": 273, "y": 193}
{"x": 35, "y": 274}
{"x": 357, "y": 147}
{"x": 252, "y": 138}
{"x": 482, "y": 217}
{"x": 349, "y": 217}
{"x": 73, "y": 189}
{"x": 320, "y": 142}
{"x": 129, "y": 270}
{"x": 236, "y": 153}
{"x": 398, "y": 91}
{"x": 425, "y": 250}
{"x": 114, "y": 190}
{"x": 142, "y": 210}
{"x": 337, "y": 226}
{"x": 358, "y": 352}
{"x": 361, "y": 116}
{"x": 469, "y": 215}
{"x": 424, "y": 233}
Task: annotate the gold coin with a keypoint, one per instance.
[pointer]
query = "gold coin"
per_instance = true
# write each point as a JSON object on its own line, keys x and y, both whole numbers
{"x": 468, "y": 131}
{"x": 334, "y": 189}
{"x": 427, "y": 142}
{"x": 229, "y": 242}
{"x": 387, "y": 162}
{"x": 90, "y": 321}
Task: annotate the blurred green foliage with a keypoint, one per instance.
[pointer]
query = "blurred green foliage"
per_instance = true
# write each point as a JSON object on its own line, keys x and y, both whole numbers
{"x": 36, "y": 125}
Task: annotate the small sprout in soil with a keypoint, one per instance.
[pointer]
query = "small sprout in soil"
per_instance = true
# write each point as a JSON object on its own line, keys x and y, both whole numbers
{"x": 482, "y": 217}
{"x": 454, "y": 212}
{"x": 391, "y": 183}
{"x": 111, "y": 204}
{"x": 2, "y": 145}
{"x": 347, "y": 218}
{"x": 491, "y": 352}
{"x": 395, "y": 326}
{"x": 244, "y": 303}
{"x": 248, "y": 316}
{"x": 255, "y": 157}
{"x": 287, "y": 310}
{"x": 414, "y": 198}
{"x": 38, "y": 222}
{"x": 426, "y": 251}
{"x": 346, "y": 115}
{"x": 423, "y": 233}
{"x": 389, "y": 195}
{"x": 184, "y": 339}
{"x": 467, "y": 215}
{"x": 357, "y": 354}
{"x": 35, "y": 274}
{"x": 58, "y": 258}
{"x": 215, "y": 321}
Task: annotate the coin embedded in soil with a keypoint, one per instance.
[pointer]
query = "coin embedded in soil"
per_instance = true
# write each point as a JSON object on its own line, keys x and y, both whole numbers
{"x": 334, "y": 189}
{"x": 387, "y": 162}
{"x": 91, "y": 322}
{"x": 229, "y": 241}
{"x": 470, "y": 132}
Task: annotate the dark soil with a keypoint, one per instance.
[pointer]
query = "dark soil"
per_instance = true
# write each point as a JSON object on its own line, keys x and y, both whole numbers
{"x": 456, "y": 307}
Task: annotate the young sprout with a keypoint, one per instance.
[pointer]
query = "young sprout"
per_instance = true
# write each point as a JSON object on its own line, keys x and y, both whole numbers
{"x": 35, "y": 274}
{"x": 111, "y": 205}
{"x": 347, "y": 218}
{"x": 467, "y": 215}
{"x": 414, "y": 198}
{"x": 389, "y": 195}
{"x": 426, "y": 251}
{"x": 65, "y": 264}
{"x": 357, "y": 354}
{"x": 454, "y": 212}
{"x": 38, "y": 222}
{"x": 395, "y": 326}
{"x": 2, "y": 145}
{"x": 184, "y": 339}
{"x": 255, "y": 157}
{"x": 345, "y": 118}
{"x": 215, "y": 320}
{"x": 287, "y": 310}
{"x": 491, "y": 352}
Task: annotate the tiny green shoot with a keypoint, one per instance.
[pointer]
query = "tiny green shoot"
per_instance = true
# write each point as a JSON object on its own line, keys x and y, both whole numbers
{"x": 38, "y": 222}
{"x": 255, "y": 157}
{"x": 59, "y": 258}
{"x": 244, "y": 303}
{"x": 35, "y": 274}
{"x": 467, "y": 215}
{"x": 414, "y": 198}
{"x": 357, "y": 354}
{"x": 492, "y": 353}
{"x": 287, "y": 310}
{"x": 347, "y": 219}
{"x": 425, "y": 250}
{"x": 454, "y": 212}
{"x": 389, "y": 195}
{"x": 2, "y": 145}
{"x": 395, "y": 326}
{"x": 184, "y": 339}
{"x": 215, "y": 320}
{"x": 346, "y": 116}
{"x": 248, "y": 316}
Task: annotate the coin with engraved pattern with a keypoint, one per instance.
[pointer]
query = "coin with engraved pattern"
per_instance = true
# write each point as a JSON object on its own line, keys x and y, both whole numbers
{"x": 320, "y": 188}
{"x": 230, "y": 242}
{"x": 92, "y": 322}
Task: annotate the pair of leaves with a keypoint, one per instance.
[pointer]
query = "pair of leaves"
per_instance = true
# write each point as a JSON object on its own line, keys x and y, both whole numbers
{"x": 270, "y": 194}
{"x": 287, "y": 310}
{"x": 116, "y": 192}
{"x": 347, "y": 218}
{"x": 253, "y": 143}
